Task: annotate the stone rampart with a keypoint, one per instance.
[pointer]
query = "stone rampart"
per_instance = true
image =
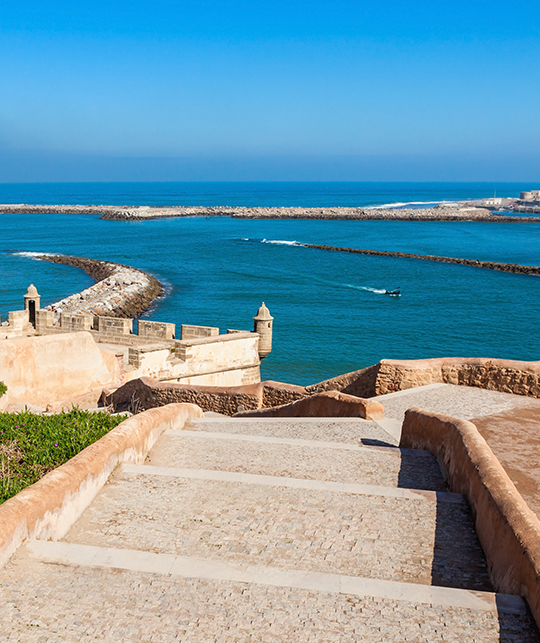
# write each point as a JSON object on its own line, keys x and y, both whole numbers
{"x": 508, "y": 530}
{"x": 47, "y": 509}
{"x": 389, "y": 376}
{"x": 506, "y": 376}
{"x": 146, "y": 393}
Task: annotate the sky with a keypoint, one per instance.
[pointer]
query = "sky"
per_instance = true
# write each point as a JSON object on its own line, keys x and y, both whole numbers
{"x": 277, "y": 90}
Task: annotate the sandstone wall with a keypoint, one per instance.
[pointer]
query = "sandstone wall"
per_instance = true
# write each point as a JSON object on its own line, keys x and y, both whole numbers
{"x": 49, "y": 369}
{"x": 146, "y": 393}
{"x": 507, "y": 376}
{"x": 327, "y": 404}
{"x": 508, "y": 530}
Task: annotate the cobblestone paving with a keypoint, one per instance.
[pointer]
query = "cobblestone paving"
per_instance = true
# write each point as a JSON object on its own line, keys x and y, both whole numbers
{"x": 369, "y": 466}
{"x": 349, "y": 431}
{"x": 41, "y": 603}
{"x": 377, "y": 537}
{"x": 287, "y": 529}
{"x": 465, "y": 402}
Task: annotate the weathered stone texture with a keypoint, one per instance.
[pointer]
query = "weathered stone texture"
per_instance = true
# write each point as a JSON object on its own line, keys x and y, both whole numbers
{"x": 147, "y": 393}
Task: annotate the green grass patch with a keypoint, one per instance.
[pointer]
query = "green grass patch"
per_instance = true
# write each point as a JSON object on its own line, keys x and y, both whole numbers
{"x": 32, "y": 445}
{"x": 3, "y": 388}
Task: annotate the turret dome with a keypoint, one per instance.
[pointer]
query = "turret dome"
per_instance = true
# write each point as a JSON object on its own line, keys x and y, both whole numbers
{"x": 263, "y": 314}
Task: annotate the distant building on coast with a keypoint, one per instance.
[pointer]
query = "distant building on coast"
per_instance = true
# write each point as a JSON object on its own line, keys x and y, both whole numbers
{"x": 532, "y": 196}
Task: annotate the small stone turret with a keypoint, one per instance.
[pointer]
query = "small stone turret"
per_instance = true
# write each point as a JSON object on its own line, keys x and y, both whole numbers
{"x": 32, "y": 303}
{"x": 263, "y": 326}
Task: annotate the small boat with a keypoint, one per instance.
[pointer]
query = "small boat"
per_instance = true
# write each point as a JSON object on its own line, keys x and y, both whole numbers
{"x": 393, "y": 293}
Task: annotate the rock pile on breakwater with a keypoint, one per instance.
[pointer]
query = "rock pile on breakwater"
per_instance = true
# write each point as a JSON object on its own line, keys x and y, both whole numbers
{"x": 337, "y": 213}
{"x": 120, "y": 291}
{"x": 141, "y": 213}
{"x": 490, "y": 265}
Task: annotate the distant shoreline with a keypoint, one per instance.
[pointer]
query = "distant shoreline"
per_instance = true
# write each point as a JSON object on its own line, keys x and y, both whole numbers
{"x": 461, "y": 211}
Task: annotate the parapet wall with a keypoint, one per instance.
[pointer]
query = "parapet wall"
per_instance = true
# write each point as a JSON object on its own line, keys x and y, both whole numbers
{"x": 508, "y": 530}
{"x": 47, "y": 509}
{"x": 507, "y": 376}
{"x": 389, "y": 376}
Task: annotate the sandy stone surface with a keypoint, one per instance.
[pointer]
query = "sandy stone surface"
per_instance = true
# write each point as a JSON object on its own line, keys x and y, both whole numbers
{"x": 464, "y": 402}
{"x": 151, "y": 514}
{"x": 352, "y": 431}
{"x": 367, "y": 466}
{"x": 73, "y": 605}
{"x": 391, "y": 538}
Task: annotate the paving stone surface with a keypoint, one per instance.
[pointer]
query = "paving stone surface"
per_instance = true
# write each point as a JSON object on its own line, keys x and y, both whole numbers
{"x": 384, "y": 533}
{"x": 352, "y": 431}
{"x": 375, "y": 466}
{"x": 465, "y": 402}
{"x": 377, "y": 537}
{"x": 62, "y": 604}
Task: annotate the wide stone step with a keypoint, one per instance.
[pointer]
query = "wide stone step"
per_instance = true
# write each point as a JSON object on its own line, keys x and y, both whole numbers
{"x": 385, "y": 533}
{"x": 298, "y": 458}
{"x": 348, "y": 430}
{"x": 67, "y": 592}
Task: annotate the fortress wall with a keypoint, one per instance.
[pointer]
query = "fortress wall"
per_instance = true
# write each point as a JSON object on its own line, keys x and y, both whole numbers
{"x": 508, "y": 530}
{"x": 53, "y": 368}
{"x": 146, "y": 393}
{"x": 47, "y": 509}
{"x": 507, "y": 376}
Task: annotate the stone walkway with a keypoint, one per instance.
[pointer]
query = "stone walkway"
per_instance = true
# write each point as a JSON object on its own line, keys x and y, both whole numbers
{"x": 305, "y": 530}
{"x": 509, "y": 423}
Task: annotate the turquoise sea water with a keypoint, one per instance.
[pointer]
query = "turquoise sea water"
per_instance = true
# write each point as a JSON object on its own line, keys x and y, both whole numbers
{"x": 329, "y": 317}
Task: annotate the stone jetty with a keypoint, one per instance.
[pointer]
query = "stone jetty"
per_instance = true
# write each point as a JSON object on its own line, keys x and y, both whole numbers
{"x": 119, "y": 291}
{"x": 489, "y": 265}
{"x": 461, "y": 212}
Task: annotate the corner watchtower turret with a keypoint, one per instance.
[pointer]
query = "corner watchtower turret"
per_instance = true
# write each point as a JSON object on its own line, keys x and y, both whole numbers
{"x": 32, "y": 303}
{"x": 263, "y": 326}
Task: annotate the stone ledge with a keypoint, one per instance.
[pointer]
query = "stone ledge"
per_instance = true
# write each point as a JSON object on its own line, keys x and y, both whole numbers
{"x": 327, "y": 404}
{"x": 47, "y": 509}
{"x": 508, "y": 530}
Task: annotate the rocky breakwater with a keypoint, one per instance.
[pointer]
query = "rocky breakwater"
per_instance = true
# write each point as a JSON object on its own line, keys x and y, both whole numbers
{"x": 463, "y": 211}
{"x": 119, "y": 291}
{"x": 339, "y": 213}
{"x": 489, "y": 265}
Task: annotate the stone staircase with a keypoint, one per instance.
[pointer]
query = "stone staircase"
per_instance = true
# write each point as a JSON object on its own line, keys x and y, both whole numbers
{"x": 265, "y": 530}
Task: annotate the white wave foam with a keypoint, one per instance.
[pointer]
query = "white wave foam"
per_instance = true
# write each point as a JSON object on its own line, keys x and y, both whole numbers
{"x": 35, "y": 255}
{"x": 281, "y": 242}
{"x": 388, "y": 206}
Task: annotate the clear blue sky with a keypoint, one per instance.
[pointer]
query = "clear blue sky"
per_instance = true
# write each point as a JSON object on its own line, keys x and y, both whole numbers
{"x": 230, "y": 90}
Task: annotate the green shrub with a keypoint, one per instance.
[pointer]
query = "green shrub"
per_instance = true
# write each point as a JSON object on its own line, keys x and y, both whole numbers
{"x": 32, "y": 445}
{"x": 3, "y": 388}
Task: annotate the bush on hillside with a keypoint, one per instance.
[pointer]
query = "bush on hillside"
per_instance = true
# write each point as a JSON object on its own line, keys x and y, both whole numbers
{"x": 3, "y": 388}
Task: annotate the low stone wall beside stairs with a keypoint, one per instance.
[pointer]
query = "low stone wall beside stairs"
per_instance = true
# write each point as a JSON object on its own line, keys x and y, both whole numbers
{"x": 508, "y": 530}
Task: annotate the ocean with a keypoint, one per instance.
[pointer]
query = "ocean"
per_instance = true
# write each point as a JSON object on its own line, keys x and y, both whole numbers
{"x": 331, "y": 314}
